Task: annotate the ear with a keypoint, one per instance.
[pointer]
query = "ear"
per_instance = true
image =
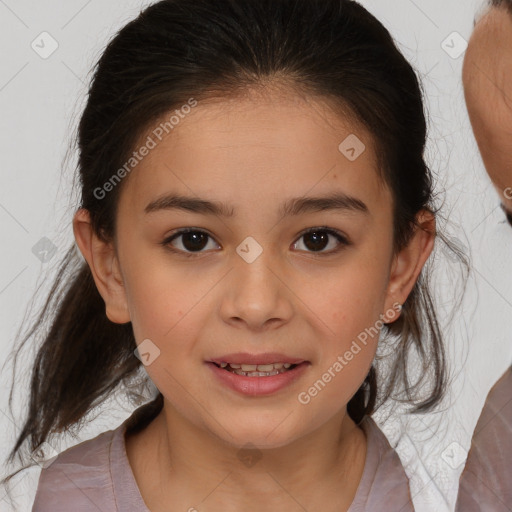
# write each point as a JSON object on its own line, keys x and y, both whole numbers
{"x": 407, "y": 264}
{"x": 102, "y": 259}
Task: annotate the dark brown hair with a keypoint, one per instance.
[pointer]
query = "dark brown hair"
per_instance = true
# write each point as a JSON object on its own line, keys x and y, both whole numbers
{"x": 502, "y": 3}
{"x": 178, "y": 49}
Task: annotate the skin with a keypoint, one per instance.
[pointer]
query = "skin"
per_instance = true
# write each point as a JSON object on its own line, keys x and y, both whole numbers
{"x": 253, "y": 153}
{"x": 488, "y": 92}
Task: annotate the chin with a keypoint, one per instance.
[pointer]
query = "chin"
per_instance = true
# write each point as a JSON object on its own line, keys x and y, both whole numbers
{"x": 270, "y": 436}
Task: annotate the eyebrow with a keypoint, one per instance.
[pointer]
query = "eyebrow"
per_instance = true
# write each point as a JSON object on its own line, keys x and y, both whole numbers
{"x": 335, "y": 201}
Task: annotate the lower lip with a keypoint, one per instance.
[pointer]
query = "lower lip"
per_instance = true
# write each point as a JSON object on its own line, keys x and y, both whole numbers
{"x": 257, "y": 386}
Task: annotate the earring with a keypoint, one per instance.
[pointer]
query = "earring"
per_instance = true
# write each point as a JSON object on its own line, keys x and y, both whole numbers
{"x": 394, "y": 311}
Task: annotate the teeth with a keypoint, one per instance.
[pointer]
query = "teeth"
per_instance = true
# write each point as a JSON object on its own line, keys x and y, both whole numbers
{"x": 262, "y": 368}
{"x": 254, "y": 367}
{"x": 258, "y": 374}
{"x": 256, "y": 370}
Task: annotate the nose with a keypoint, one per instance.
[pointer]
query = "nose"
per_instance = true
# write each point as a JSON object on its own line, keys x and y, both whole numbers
{"x": 256, "y": 294}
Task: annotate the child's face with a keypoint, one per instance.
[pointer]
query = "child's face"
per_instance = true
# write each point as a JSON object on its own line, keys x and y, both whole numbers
{"x": 305, "y": 297}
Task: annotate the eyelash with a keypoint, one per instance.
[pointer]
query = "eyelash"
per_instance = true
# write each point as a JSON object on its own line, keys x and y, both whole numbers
{"x": 344, "y": 242}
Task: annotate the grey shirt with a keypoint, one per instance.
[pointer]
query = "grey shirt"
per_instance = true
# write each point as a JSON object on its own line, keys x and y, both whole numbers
{"x": 95, "y": 475}
{"x": 486, "y": 482}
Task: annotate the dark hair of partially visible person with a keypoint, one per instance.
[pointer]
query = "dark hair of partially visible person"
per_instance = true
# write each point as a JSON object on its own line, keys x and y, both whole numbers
{"x": 502, "y": 3}
{"x": 178, "y": 49}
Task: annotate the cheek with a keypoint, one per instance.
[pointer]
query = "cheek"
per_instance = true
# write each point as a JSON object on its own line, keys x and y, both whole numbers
{"x": 350, "y": 297}
{"x": 347, "y": 311}
{"x": 160, "y": 293}
{"x": 347, "y": 351}
{"x": 165, "y": 307}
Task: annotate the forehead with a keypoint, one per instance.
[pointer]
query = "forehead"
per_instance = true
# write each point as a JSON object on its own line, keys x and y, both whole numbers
{"x": 488, "y": 69}
{"x": 492, "y": 30}
{"x": 488, "y": 92}
{"x": 257, "y": 146}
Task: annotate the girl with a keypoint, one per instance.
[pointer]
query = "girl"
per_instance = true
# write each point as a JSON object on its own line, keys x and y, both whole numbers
{"x": 283, "y": 139}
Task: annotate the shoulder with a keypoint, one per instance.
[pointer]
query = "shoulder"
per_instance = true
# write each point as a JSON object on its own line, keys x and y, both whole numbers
{"x": 78, "y": 478}
{"x": 384, "y": 485}
{"x": 497, "y": 410}
{"x": 485, "y": 480}
{"x": 491, "y": 444}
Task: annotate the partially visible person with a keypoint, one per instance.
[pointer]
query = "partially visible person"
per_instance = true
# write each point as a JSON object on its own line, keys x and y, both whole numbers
{"x": 486, "y": 482}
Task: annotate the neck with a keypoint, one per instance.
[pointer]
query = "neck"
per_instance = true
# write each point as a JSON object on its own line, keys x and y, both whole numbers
{"x": 196, "y": 468}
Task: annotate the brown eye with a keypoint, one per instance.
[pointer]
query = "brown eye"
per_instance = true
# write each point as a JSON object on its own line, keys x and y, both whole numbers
{"x": 317, "y": 239}
{"x": 188, "y": 241}
{"x": 194, "y": 240}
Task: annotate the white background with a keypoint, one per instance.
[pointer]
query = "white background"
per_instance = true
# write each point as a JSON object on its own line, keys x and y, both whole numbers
{"x": 40, "y": 102}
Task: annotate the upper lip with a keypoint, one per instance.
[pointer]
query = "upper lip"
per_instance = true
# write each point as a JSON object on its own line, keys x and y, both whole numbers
{"x": 266, "y": 358}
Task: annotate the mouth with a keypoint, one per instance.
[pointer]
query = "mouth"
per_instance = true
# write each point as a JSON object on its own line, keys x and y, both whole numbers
{"x": 257, "y": 370}
{"x": 258, "y": 379}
